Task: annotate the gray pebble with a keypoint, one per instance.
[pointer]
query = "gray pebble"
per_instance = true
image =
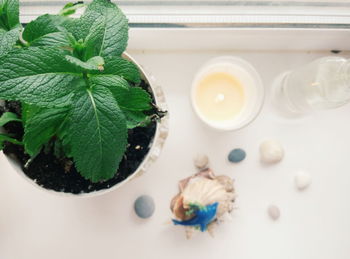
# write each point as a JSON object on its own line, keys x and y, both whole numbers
{"x": 144, "y": 206}
{"x": 236, "y": 155}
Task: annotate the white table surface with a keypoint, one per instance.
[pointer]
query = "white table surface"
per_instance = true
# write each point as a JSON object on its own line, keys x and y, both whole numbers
{"x": 314, "y": 223}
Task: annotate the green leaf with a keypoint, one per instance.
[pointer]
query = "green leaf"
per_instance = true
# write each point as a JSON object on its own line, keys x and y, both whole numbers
{"x": 41, "y": 126}
{"x": 136, "y": 119}
{"x": 131, "y": 98}
{"x": 7, "y": 40}
{"x": 12, "y": 10}
{"x": 81, "y": 27}
{"x": 134, "y": 99}
{"x": 28, "y": 111}
{"x": 8, "y": 117}
{"x": 74, "y": 85}
{"x": 108, "y": 35}
{"x": 100, "y": 6}
{"x": 9, "y": 25}
{"x": 110, "y": 81}
{"x": 4, "y": 138}
{"x": 45, "y": 30}
{"x": 39, "y": 27}
{"x": 71, "y": 8}
{"x": 94, "y": 63}
{"x": 63, "y": 135}
{"x": 121, "y": 67}
{"x": 52, "y": 39}
{"x": 39, "y": 76}
{"x": 9, "y": 14}
{"x": 97, "y": 134}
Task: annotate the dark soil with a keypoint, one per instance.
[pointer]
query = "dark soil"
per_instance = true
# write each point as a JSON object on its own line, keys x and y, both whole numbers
{"x": 60, "y": 174}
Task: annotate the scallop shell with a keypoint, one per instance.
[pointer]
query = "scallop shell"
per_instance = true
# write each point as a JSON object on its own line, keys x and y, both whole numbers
{"x": 203, "y": 191}
{"x": 204, "y": 188}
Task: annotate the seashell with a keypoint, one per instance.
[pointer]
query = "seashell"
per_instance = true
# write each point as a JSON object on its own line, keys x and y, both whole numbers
{"x": 178, "y": 209}
{"x": 223, "y": 208}
{"x": 174, "y": 201}
{"x": 189, "y": 232}
{"x": 226, "y": 181}
{"x": 211, "y": 228}
{"x": 203, "y": 189}
{"x": 225, "y": 217}
{"x": 207, "y": 173}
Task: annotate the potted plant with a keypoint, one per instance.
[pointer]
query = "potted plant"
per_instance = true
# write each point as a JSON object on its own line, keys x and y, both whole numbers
{"x": 79, "y": 115}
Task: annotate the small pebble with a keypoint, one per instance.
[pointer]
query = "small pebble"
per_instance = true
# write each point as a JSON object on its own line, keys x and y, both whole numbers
{"x": 144, "y": 206}
{"x": 302, "y": 180}
{"x": 271, "y": 151}
{"x": 236, "y": 155}
{"x": 201, "y": 161}
{"x": 274, "y": 212}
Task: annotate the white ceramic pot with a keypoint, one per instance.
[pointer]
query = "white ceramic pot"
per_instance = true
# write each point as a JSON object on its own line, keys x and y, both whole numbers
{"x": 154, "y": 152}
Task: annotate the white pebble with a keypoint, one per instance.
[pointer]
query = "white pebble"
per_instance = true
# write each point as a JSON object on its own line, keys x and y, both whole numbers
{"x": 271, "y": 151}
{"x": 302, "y": 180}
{"x": 201, "y": 161}
{"x": 274, "y": 212}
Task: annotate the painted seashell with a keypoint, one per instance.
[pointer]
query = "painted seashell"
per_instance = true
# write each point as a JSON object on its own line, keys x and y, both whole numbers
{"x": 225, "y": 181}
{"x": 190, "y": 231}
{"x": 203, "y": 190}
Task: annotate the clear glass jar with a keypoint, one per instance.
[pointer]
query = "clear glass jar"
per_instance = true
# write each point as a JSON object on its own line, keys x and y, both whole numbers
{"x": 321, "y": 84}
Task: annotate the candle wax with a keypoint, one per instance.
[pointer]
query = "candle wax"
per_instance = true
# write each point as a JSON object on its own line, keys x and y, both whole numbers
{"x": 219, "y": 96}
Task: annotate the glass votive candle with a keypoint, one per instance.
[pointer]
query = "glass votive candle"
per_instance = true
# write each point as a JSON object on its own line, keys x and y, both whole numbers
{"x": 227, "y": 93}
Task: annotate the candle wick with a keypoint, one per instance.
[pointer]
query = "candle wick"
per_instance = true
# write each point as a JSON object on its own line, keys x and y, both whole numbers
{"x": 219, "y": 98}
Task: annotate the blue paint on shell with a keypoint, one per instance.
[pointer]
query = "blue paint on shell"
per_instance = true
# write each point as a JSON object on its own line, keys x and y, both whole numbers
{"x": 203, "y": 216}
{"x": 144, "y": 206}
{"x": 236, "y": 155}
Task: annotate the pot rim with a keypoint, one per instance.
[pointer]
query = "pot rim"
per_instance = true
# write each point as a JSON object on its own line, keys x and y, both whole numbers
{"x": 154, "y": 152}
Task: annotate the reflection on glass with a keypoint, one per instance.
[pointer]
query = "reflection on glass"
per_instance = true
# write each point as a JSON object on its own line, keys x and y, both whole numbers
{"x": 321, "y": 84}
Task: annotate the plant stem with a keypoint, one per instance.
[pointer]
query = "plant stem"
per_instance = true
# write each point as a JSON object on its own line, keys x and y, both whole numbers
{"x": 23, "y": 43}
